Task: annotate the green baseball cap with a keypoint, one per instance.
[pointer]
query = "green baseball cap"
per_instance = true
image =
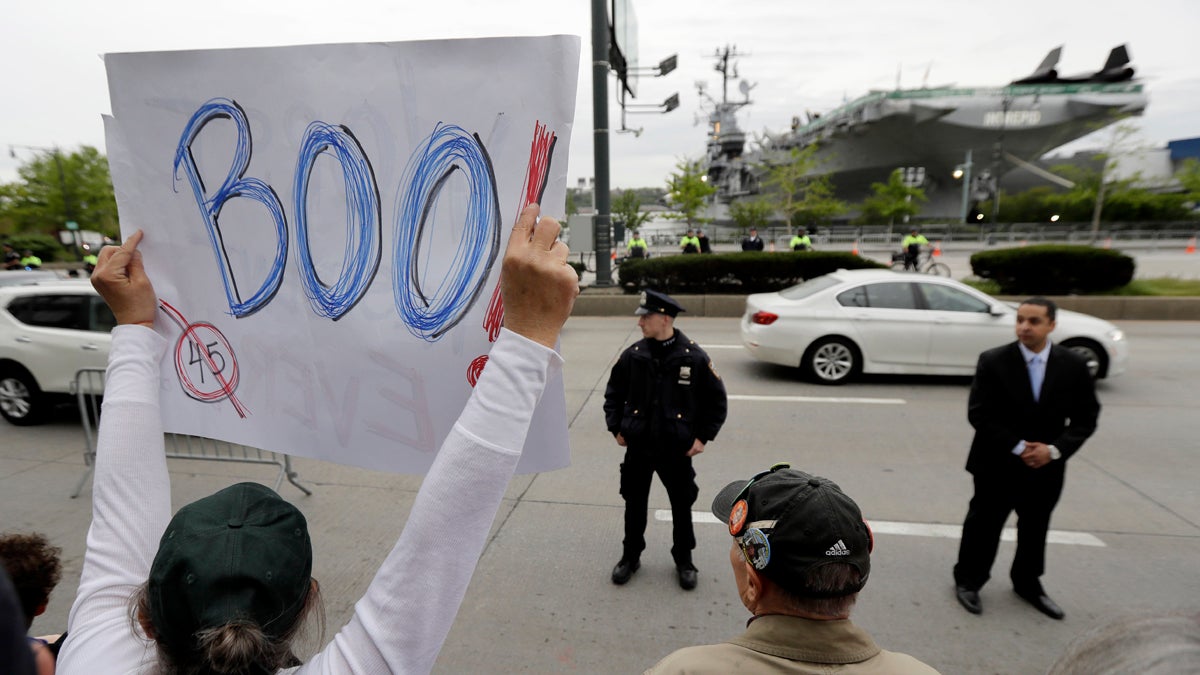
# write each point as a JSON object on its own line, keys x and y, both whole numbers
{"x": 240, "y": 553}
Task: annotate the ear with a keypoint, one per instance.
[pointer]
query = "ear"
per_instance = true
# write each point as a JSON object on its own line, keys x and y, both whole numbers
{"x": 41, "y": 609}
{"x": 755, "y": 584}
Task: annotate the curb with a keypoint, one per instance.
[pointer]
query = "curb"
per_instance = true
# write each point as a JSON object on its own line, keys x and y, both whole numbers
{"x": 607, "y": 302}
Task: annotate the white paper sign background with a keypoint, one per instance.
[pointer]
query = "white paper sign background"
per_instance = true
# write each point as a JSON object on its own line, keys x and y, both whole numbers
{"x": 363, "y": 389}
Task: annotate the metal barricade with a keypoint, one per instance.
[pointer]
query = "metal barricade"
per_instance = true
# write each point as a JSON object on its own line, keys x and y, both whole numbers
{"x": 89, "y": 390}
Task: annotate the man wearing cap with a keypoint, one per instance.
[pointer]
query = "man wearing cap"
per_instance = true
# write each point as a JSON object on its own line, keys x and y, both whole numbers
{"x": 800, "y": 554}
{"x": 752, "y": 242}
{"x": 663, "y": 403}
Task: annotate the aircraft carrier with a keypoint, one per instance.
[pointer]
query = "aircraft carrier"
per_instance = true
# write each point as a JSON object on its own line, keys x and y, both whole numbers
{"x": 931, "y": 131}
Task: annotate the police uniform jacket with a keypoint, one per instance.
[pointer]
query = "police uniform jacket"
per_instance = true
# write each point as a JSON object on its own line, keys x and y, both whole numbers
{"x": 671, "y": 400}
{"x": 790, "y": 644}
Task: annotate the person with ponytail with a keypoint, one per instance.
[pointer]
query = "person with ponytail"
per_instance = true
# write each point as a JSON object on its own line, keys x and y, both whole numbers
{"x": 225, "y": 586}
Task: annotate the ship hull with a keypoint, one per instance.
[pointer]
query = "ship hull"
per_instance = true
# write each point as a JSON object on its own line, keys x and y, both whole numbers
{"x": 864, "y": 141}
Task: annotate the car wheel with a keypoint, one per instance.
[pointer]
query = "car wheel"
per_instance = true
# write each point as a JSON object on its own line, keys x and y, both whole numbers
{"x": 21, "y": 401}
{"x": 832, "y": 361}
{"x": 939, "y": 269}
{"x": 1097, "y": 360}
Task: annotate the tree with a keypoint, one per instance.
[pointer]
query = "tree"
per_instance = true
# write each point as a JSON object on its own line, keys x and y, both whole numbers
{"x": 1188, "y": 176}
{"x": 688, "y": 191}
{"x": 626, "y": 210}
{"x": 748, "y": 213}
{"x": 56, "y": 187}
{"x": 571, "y": 207}
{"x": 1121, "y": 142}
{"x": 796, "y": 191}
{"x": 893, "y": 199}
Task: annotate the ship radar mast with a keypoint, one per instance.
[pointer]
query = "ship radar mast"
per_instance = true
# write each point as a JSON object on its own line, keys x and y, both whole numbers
{"x": 726, "y": 141}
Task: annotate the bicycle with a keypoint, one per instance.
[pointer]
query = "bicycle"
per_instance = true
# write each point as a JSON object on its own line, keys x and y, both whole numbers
{"x": 925, "y": 264}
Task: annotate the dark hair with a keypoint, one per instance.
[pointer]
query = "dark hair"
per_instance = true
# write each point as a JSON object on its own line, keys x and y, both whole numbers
{"x": 238, "y": 646}
{"x": 1051, "y": 308}
{"x": 831, "y": 579}
{"x": 34, "y": 567}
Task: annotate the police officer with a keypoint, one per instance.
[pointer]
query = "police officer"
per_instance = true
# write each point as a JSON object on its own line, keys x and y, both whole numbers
{"x": 12, "y": 259}
{"x": 911, "y": 244}
{"x": 801, "y": 242}
{"x": 752, "y": 242}
{"x": 663, "y": 403}
{"x": 30, "y": 261}
{"x": 690, "y": 243}
{"x": 637, "y": 246}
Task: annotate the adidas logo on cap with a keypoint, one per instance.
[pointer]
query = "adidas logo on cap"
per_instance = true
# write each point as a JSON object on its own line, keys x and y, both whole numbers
{"x": 838, "y": 549}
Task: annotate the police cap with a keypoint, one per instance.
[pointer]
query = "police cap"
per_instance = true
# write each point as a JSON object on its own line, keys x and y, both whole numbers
{"x": 653, "y": 301}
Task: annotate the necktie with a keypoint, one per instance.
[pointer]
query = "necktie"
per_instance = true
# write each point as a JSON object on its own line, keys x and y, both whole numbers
{"x": 1035, "y": 376}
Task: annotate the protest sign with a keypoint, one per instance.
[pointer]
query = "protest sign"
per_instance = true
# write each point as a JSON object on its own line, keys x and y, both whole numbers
{"x": 324, "y": 226}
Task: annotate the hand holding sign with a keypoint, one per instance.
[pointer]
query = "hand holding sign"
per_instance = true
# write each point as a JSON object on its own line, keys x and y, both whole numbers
{"x": 538, "y": 286}
{"x": 121, "y": 280}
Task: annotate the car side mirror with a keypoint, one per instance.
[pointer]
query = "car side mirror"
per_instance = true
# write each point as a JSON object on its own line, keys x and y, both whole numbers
{"x": 997, "y": 310}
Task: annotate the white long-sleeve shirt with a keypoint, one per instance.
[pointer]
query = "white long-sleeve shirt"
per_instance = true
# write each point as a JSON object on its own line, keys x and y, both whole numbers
{"x": 400, "y": 624}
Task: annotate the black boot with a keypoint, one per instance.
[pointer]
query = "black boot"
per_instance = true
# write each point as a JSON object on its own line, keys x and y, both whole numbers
{"x": 624, "y": 570}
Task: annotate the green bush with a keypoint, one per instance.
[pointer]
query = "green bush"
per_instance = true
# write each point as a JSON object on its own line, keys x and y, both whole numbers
{"x": 43, "y": 246}
{"x": 1053, "y": 269}
{"x": 751, "y": 272}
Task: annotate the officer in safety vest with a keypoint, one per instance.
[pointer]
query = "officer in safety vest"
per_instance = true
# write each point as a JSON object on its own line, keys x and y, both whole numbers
{"x": 637, "y": 246}
{"x": 801, "y": 242}
{"x": 30, "y": 261}
{"x": 912, "y": 248}
{"x": 690, "y": 243}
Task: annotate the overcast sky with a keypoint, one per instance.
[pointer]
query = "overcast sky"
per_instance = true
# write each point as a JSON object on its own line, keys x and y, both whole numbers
{"x": 800, "y": 55}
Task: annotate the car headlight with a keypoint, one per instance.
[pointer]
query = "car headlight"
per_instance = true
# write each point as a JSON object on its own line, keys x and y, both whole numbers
{"x": 1116, "y": 335}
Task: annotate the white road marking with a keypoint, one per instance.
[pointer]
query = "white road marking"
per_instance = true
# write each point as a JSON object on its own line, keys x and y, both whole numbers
{"x": 817, "y": 399}
{"x": 924, "y": 530}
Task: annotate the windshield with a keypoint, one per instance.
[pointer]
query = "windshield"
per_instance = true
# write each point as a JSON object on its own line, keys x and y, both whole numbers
{"x": 810, "y": 287}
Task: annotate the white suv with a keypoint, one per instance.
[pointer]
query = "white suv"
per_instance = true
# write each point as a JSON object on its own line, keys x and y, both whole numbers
{"x": 48, "y": 331}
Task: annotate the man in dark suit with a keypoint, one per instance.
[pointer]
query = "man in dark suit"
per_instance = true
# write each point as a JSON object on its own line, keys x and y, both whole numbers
{"x": 1032, "y": 405}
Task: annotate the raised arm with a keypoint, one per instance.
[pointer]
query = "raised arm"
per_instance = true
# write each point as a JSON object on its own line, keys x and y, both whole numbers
{"x": 400, "y": 624}
{"x": 131, "y": 500}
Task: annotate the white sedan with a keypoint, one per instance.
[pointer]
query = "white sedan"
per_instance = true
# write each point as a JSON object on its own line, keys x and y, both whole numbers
{"x": 879, "y": 321}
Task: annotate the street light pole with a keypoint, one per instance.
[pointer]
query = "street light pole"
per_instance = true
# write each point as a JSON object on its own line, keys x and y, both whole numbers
{"x": 602, "y": 216}
{"x": 998, "y": 156}
{"x": 966, "y": 191}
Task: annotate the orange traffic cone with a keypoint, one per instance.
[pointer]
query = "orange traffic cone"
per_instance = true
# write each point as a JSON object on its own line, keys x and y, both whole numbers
{"x": 1191, "y": 247}
{"x": 937, "y": 248}
{"x": 854, "y": 248}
